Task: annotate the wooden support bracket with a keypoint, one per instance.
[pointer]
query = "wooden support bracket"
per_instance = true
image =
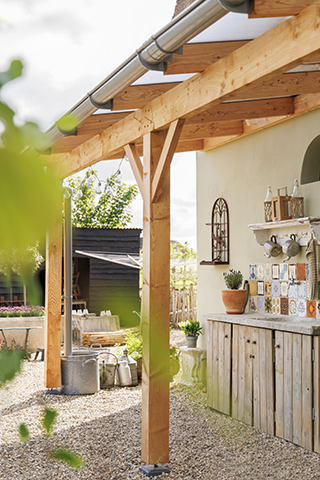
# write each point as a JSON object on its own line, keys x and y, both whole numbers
{"x": 136, "y": 165}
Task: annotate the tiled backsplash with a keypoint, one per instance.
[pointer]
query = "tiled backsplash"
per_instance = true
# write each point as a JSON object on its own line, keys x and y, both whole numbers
{"x": 272, "y": 290}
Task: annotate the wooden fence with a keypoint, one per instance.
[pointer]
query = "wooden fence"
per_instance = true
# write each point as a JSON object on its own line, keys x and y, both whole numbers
{"x": 182, "y": 305}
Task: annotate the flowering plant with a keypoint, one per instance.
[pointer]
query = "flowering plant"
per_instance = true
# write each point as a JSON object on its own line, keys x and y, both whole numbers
{"x": 23, "y": 311}
{"x": 174, "y": 352}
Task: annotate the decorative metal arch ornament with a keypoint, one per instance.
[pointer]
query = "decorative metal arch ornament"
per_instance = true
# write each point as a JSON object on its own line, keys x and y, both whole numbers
{"x": 219, "y": 234}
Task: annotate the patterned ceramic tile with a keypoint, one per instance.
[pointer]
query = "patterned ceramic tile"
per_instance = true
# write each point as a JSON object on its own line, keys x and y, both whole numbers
{"x": 293, "y": 291}
{"x": 267, "y": 271}
{"x": 275, "y": 288}
{"x": 260, "y": 271}
{"x": 253, "y": 304}
{"x": 276, "y": 305}
{"x": 283, "y": 271}
{"x": 292, "y": 306}
{"x": 284, "y": 306}
{"x": 301, "y": 307}
{"x": 284, "y": 289}
{"x": 275, "y": 271}
{"x": 260, "y": 288}
{"x": 301, "y": 271}
{"x": 301, "y": 289}
{"x": 311, "y": 308}
{"x": 252, "y": 272}
{"x": 253, "y": 287}
{"x": 307, "y": 271}
{"x": 268, "y": 288}
{"x": 292, "y": 271}
{"x": 260, "y": 304}
{"x": 268, "y": 304}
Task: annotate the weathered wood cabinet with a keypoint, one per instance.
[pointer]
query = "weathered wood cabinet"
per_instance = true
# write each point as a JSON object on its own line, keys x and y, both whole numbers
{"x": 267, "y": 377}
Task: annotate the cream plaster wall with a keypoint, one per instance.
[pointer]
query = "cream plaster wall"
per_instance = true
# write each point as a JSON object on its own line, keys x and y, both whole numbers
{"x": 240, "y": 173}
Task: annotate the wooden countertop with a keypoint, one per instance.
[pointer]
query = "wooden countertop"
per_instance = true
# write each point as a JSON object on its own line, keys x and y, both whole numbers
{"x": 284, "y": 323}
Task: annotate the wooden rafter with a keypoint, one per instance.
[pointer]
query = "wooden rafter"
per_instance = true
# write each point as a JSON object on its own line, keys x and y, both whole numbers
{"x": 250, "y": 67}
{"x": 278, "y": 8}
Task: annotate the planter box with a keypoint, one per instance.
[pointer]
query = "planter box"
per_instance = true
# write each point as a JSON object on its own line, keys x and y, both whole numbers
{"x": 36, "y": 337}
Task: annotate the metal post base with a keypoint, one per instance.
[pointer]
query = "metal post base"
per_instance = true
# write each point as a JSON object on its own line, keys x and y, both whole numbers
{"x": 153, "y": 470}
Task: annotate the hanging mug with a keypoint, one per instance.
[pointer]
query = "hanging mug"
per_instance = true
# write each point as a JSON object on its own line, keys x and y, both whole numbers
{"x": 272, "y": 249}
{"x": 290, "y": 247}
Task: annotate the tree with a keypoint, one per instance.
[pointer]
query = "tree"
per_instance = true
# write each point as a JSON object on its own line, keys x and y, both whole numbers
{"x": 112, "y": 209}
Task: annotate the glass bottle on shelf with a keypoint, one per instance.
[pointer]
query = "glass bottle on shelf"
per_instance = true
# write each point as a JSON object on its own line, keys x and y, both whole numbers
{"x": 267, "y": 206}
{"x": 296, "y": 201}
{"x": 296, "y": 190}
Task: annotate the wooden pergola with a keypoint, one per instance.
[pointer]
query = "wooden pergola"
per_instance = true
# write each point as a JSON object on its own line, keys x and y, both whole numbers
{"x": 237, "y": 89}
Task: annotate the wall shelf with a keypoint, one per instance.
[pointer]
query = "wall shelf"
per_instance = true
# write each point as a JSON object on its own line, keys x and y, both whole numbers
{"x": 301, "y": 227}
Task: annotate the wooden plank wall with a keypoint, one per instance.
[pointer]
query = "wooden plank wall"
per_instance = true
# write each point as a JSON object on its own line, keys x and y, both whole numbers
{"x": 294, "y": 388}
{"x": 219, "y": 366}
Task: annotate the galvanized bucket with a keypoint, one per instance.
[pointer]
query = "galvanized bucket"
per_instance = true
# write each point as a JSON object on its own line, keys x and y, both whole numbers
{"x": 80, "y": 373}
{"x": 107, "y": 369}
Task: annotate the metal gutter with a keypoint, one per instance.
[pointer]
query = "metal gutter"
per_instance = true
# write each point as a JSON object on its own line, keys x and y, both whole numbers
{"x": 152, "y": 55}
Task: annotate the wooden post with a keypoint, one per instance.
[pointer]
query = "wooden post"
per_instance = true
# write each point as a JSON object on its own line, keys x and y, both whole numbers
{"x": 155, "y": 307}
{"x": 52, "y": 375}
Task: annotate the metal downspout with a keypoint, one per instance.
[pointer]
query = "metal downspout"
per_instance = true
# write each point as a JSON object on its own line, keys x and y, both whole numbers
{"x": 152, "y": 55}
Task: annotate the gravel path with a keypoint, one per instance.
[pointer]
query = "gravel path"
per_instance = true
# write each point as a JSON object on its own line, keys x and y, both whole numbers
{"x": 105, "y": 429}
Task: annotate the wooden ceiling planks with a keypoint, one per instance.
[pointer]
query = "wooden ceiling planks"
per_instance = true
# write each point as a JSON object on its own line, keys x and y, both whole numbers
{"x": 278, "y": 8}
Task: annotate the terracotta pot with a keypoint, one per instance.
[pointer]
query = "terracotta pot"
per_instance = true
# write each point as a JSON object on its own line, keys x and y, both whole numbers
{"x": 234, "y": 301}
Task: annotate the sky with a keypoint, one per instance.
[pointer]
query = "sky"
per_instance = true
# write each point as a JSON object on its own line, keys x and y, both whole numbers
{"x": 67, "y": 48}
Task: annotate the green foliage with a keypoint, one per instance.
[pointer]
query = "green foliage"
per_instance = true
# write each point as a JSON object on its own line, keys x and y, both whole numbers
{"x": 111, "y": 210}
{"x": 191, "y": 327}
{"x": 134, "y": 344}
{"x": 29, "y": 194}
{"x": 233, "y": 279}
{"x": 179, "y": 250}
{"x": 48, "y": 420}
{"x": 10, "y": 364}
{"x": 67, "y": 456}
{"x": 23, "y": 432}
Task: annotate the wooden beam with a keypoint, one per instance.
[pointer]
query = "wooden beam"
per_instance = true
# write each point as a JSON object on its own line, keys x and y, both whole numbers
{"x": 198, "y": 56}
{"x": 155, "y": 307}
{"x": 167, "y": 152}
{"x": 136, "y": 165}
{"x": 208, "y": 130}
{"x": 52, "y": 368}
{"x": 268, "y": 56}
{"x": 137, "y": 96}
{"x": 302, "y": 105}
{"x": 278, "y": 8}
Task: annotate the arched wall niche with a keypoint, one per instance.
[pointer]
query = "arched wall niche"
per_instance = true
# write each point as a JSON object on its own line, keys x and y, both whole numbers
{"x": 310, "y": 171}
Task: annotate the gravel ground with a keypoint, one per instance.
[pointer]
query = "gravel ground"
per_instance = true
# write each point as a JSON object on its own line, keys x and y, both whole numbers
{"x": 105, "y": 429}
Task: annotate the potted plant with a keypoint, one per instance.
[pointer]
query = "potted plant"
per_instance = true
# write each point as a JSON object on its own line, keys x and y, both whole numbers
{"x": 192, "y": 330}
{"x": 235, "y": 298}
{"x": 174, "y": 363}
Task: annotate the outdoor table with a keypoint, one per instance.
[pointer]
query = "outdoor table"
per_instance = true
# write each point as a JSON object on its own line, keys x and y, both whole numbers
{"x": 18, "y": 328}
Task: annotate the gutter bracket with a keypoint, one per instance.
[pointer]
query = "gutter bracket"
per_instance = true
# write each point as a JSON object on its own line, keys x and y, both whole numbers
{"x": 244, "y": 7}
{"x": 68, "y": 133}
{"x": 108, "y": 105}
{"x": 162, "y": 66}
{"x": 178, "y": 51}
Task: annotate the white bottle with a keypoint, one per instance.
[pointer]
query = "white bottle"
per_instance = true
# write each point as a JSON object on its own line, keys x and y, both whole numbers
{"x": 269, "y": 194}
{"x": 124, "y": 374}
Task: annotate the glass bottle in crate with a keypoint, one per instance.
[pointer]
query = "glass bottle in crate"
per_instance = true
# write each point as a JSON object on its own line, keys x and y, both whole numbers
{"x": 296, "y": 201}
{"x": 267, "y": 206}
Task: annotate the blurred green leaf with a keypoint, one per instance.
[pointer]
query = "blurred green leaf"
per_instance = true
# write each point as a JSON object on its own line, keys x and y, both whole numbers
{"x": 14, "y": 71}
{"x": 48, "y": 419}
{"x": 23, "y": 432}
{"x": 67, "y": 456}
{"x": 10, "y": 364}
{"x": 67, "y": 123}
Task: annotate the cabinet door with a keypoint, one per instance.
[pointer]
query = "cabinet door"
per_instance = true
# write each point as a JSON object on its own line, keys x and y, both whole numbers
{"x": 242, "y": 374}
{"x": 293, "y": 372}
{"x": 263, "y": 380}
{"x": 219, "y": 366}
